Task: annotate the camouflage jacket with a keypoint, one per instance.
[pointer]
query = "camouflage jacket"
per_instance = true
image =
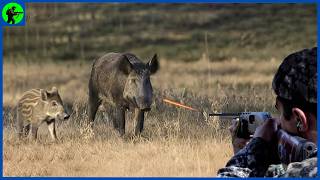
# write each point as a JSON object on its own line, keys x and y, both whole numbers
{"x": 257, "y": 160}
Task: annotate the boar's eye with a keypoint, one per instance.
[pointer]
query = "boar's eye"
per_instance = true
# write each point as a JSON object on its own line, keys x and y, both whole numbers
{"x": 54, "y": 103}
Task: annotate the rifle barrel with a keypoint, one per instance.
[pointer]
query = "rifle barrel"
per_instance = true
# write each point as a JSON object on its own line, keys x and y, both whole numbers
{"x": 224, "y": 114}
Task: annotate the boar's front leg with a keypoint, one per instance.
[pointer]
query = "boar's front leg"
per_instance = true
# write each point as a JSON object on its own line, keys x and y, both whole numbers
{"x": 121, "y": 120}
{"x": 139, "y": 119}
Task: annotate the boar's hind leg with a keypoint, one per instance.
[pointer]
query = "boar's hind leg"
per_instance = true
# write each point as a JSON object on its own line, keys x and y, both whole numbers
{"x": 139, "y": 119}
{"x": 94, "y": 103}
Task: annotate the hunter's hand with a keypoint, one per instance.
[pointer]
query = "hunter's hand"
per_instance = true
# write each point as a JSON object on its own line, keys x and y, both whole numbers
{"x": 237, "y": 143}
{"x": 267, "y": 130}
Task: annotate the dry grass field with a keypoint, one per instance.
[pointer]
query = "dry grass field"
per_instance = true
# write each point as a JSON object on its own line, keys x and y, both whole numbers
{"x": 175, "y": 142}
{"x": 239, "y": 46}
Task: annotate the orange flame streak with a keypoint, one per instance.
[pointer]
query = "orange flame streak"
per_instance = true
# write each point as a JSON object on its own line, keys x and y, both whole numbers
{"x": 179, "y": 104}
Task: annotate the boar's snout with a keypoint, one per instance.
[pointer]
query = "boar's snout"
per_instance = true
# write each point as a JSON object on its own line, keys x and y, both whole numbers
{"x": 144, "y": 102}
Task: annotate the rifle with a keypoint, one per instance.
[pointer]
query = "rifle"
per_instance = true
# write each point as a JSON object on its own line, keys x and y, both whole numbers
{"x": 294, "y": 148}
{"x": 18, "y": 13}
{"x": 247, "y": 121}
{"x": 290, "y": 148}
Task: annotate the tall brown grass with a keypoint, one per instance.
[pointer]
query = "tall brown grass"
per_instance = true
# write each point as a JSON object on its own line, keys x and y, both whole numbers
{"x": 175, "y": 142}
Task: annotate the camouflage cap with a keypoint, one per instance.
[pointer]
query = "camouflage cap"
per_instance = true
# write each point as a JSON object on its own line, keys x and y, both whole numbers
{"x": 296, "y": 78}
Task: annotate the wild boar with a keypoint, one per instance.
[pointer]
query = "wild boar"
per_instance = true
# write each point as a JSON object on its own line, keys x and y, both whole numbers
{"x": 122, "y": 80}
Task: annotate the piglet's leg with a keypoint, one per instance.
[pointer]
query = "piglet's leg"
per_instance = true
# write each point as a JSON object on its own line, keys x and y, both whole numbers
{"x": 34, "y": 131}
{"x": 52, "y": 130}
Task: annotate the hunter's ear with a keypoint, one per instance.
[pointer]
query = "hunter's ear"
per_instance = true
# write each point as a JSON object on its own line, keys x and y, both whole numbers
{"x": 43, "y": 94}
{"x": 301, "y": 120}
{"x": 153, "y": 64}
{"x": 125, "y": 65}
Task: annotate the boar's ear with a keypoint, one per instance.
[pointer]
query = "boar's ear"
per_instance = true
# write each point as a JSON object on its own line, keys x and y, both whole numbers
{"x": 153, "y": 64}
{"x": 43, "y": 94}
{"x": 125, "y": 65}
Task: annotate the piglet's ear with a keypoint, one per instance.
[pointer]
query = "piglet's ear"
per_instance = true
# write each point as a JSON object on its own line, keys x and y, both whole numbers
{"x": 54, "y": 90}
{"x": 153, "y": 64}
{"x": 43, "y": 94}
{"x": 125, "y": 65}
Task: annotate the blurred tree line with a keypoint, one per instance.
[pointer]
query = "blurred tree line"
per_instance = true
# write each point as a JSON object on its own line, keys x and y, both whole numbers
{"x": 188, "y": 32}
